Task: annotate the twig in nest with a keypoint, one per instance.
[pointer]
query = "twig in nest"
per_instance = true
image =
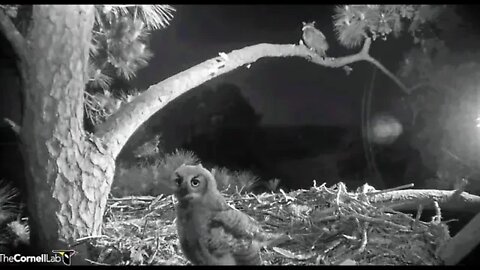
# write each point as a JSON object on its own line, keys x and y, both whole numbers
{"x": 325, "y": 219}
{"x": 332, "y": 245}
{"x": 258, "y": 200}
{"x": 90, "y": 237}
{"x": 419, "y": 212}
{"x": 144, "y": 229}
{"x": 291, "y": 255}
{"x": 337, "y": 200}
{"x": 131, "y": 198}
{"x": 391, "y": 189}
{"x": 418, "y": 222}
{"x": 324, "y": 214}
{"x": 364, "y": 239}
{"x": 96, "y": 263}
{"x": 349, "y": 237}
{"x": 360, "y": 250}
{"x": 139, "y": 229}
{"x": 156, "y": 251}
{"x": 323, "y": 188}
{"x": 155, "y": 201}
{"x": 377, "y": 220}
{"x": 320, "y": 260}
{"x": 438, "y": 215}
{"x": 287, "y": 198}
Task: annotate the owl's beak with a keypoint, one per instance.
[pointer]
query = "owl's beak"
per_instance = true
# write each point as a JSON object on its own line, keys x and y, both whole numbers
{"x": 182, "y": 194}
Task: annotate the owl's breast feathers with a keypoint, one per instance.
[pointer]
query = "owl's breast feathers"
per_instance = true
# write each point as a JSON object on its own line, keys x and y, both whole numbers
{"x": 315, "y": 40}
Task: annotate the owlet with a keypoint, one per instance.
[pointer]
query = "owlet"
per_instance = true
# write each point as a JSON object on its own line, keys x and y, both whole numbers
{"x": 210, "y": 231}
{"x": 314, "y": 39}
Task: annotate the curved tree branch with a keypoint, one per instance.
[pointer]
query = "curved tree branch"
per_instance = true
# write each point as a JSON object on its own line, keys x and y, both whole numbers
{"x": 15, "y": 38}
{"x": 410, "y": 199}
{"x": 118, "y": 128}
{"x": 19, "y": 45}
{"x": 388, "y": 73}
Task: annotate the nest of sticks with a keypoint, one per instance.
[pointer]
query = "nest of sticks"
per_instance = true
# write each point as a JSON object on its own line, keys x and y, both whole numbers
{"x": 327, "y": 226}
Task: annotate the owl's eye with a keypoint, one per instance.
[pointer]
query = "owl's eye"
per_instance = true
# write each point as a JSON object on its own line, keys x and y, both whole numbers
{"x": 195, "y": 182}
{"x": 178, "y": 181}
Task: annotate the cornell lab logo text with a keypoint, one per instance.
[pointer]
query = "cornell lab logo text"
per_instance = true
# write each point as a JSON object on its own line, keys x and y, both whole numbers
{"x": 64, "y": 256}
{"x": 19, "y": 258}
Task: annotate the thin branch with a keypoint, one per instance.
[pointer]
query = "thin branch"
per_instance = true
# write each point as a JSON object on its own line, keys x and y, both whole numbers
{"x": 15, "y": 38}
{"x": 366, "y": 47}
{"x": 119, "y": 127}
{"x": 14, "y": 126}
{"x": 391, "y": 189}
{"x": 388, "y": 73}
{"x": 420, "y": 85}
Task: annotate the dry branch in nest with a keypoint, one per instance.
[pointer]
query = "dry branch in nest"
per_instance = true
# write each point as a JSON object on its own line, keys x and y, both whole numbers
{"x": 325, "y": 225}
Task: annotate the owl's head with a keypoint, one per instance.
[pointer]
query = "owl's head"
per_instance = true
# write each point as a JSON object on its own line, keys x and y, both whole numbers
{"x": 307, "y": 25}
{"x": 192, "y": 182}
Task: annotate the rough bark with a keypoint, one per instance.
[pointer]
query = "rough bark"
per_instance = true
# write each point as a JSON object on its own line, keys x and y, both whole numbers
{"x": 68, "y": 178}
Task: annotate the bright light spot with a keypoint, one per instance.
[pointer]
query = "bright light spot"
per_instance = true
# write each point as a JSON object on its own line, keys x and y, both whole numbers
{"x": 385, "y": 129}
{"x": 478, "y": 122}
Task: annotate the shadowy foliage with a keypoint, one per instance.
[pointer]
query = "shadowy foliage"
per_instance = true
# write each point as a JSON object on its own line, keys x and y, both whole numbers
{"x": 445, "y": 110}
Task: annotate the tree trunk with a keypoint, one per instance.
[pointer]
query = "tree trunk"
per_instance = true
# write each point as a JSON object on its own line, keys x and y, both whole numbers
{"x": 68, "y": 178}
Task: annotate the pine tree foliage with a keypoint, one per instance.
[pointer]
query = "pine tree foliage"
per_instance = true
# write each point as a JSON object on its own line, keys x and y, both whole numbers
{"x": 354, "y": 23}
{"x": 446, "y": 103}
{"x": 119, "y": 48}
{"x": 154, "y": 16}
{"x": 445, "y": 98}
{"x": 121, "y": 31}
{"x": 7, "y": 207}
{"x": 101, "y": 104}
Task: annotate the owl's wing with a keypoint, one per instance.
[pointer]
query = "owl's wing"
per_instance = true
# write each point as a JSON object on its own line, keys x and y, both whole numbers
{"x": 236, "y": 223}
{"x": 242, "y": 251}
{"x": 314, "y": 39}
{"x": 235, "y": 232}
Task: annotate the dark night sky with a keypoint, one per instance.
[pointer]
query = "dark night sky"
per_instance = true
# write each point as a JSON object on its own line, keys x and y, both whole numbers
{"x": 286, "y": 91}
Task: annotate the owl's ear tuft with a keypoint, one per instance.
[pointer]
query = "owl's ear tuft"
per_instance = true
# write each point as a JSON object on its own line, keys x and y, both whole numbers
{"x": 304, "y": 23}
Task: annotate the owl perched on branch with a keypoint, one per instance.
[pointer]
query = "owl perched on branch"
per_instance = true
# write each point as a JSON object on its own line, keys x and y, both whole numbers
{"x": 210, "y": 231}
{"x": 314, "y": 39}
